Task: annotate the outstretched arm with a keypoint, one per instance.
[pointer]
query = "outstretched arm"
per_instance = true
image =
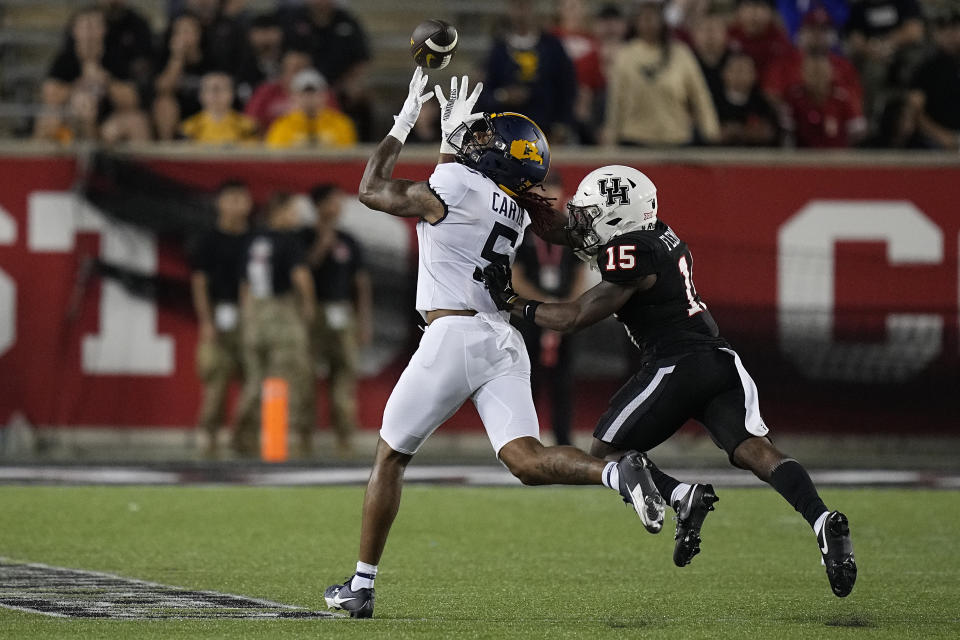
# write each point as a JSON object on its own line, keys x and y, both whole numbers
{"x": 378, "y": 189}
{"x": 404, "y": 198}
{"x": 593, "y": 306}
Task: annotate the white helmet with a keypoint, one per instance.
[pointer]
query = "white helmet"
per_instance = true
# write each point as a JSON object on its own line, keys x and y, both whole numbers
{"x": 610, "y": 201}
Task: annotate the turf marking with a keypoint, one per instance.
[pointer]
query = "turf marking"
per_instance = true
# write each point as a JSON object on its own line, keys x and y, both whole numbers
{"x": 74, "y": 593}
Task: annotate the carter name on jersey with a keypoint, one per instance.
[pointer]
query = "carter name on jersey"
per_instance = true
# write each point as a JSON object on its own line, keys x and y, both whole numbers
{"x": 506, "y": 207}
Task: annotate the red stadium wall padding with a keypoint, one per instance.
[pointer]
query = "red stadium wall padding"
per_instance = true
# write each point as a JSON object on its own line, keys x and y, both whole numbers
{"x": 838, "y": 286}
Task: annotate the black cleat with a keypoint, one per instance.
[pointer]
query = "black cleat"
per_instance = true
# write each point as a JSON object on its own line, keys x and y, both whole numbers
{"x": 837, "y": 552}
{"x": 637, "y": 489}
{"x": 692, "y": 510}
{"x": 359, "y": 603}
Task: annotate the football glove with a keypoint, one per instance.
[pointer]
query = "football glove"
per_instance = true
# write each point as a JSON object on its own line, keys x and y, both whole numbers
{"x": 456, "y": 110}
{"x": 496, "y": 277}
{"x": 404, "y": 121}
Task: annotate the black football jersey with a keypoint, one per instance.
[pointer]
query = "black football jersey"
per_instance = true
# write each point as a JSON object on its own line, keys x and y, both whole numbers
{"x": 669, "y": 318}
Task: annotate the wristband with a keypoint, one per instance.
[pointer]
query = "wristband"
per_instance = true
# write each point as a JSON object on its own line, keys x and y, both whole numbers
{"x": 400, "y": 131}
{"x": 530, "y": 310}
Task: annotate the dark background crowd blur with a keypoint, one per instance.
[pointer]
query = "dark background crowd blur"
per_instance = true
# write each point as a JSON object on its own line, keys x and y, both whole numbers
{"x": 647, "y": 73}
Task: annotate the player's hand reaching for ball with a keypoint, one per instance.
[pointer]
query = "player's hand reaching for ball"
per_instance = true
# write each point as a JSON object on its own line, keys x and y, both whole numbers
{"x": 404, "y": 121}
{"x": 455, "y": 110}
{"x": 496, "y": 277}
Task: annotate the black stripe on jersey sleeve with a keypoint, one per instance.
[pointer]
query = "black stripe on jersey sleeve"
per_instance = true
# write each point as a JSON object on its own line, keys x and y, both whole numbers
{"x": 446, "y": 209}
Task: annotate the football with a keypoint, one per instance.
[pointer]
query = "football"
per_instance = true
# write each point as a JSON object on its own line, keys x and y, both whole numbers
{"x": 433, "y": 44}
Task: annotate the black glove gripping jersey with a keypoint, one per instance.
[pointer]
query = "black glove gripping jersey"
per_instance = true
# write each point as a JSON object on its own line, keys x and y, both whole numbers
{"x": 669, "y": 318}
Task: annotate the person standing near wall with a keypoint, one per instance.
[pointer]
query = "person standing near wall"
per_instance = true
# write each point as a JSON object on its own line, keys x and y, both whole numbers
{"x": 344, "y": 301}
{"x": 277, "y": 305}
{"x": 215, "y": 282}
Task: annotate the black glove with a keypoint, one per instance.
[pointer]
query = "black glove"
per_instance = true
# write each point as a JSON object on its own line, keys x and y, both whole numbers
{"x": 496, "y": 278}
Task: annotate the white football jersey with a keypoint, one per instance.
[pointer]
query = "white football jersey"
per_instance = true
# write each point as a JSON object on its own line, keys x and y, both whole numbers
{"x": 481, "y": 224}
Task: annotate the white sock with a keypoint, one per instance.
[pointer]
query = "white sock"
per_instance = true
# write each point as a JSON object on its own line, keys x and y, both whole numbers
{"x": 611, "y": 476}
{"x": 818, "y": 525}
{"x": 364, "y": 577}
{"x": 678, "y": 493}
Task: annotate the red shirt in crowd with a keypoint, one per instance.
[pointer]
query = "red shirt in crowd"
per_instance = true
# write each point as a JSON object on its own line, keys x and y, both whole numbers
{"x": 269, "y": 101}
{"x": 787, "y": 71}
{"x": 583, "y": 51}
{"x": 773, "y": 43}
{"x": 826, "y": 124}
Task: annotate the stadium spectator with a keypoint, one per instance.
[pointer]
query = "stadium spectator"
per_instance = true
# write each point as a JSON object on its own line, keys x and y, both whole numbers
{"x": 182, "y": 64}
{"x": 223, "y": 29}
{"x": 218, "y": 123}
{"x": 935, "y": 90}
{"x": 573, "y": 31}
{"x": 312, "y": 122}
{"x": 338, "y": 44}
{"x": 610, "y": 28}
{"x": 681, "y": 14}
{"x": 877, "y": 29}
{"x": 343, "y": 321}
{"x": 528, "y": 71}
{"x": 657, "y": 95}
{"x": 262, "y": 56}
{"x": 129, "y": 39}
{"x": 549, "y": 272}
{"x": 746, "y": 118}
{"x": 883, "y": 37}
{"x": 708, "y": 35}
{"x": 793, "y": 12}
{"x": 817, "y": 36}
{"x": 215, "y": 263}
{"x": 897, "y": 127}
{"x": 755, "y": 32}
{"x": 277, "y": 306}
{"x": 821, "y": 114}
{"x": 88, "y": 93}
{"x": 332, "y": 35}
{"x": 273, "y": 99}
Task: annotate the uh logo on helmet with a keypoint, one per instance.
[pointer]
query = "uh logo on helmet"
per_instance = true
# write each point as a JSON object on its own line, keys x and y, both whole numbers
{"x": 509, "y": 148}
{"x": 610, "y": 201}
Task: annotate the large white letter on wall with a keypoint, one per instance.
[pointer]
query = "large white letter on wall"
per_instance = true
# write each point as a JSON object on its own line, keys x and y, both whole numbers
{"x": 805, "y": 290}
{"x": 8, "y": 288}
{"x": 128, "y": 342}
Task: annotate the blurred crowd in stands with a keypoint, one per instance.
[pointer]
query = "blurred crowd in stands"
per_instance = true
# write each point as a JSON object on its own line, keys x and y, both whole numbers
{"x": 645, "y": 73}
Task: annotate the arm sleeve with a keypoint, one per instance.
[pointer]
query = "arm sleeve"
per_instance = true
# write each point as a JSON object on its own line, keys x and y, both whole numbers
{"x": 625, "y": 260}
{"x": 65, "y": 67}
{"x": 296, "y": 250}
{"x": 199, "y": 253}
{"x": 921, "y": 78}
{"x": 359, "y": 261}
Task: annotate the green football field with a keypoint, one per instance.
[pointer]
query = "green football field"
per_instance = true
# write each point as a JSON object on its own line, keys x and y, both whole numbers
{"x": 497, "y": 562}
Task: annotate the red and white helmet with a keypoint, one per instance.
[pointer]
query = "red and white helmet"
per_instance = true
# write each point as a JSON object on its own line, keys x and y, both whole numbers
{"x": 610, "y": 201}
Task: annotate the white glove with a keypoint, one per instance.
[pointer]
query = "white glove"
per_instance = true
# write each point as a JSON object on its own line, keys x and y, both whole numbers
{"x": 456, "y": 110}
{"x": 404, "y": 121}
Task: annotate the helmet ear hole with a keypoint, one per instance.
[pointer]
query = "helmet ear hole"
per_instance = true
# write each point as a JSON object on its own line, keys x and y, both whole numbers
{"x": 614, "y": 222}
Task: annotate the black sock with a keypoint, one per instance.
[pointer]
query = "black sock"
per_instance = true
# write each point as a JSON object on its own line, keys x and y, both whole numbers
{"x": 793, "y": 482}
{"x": 665, "y": 484}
